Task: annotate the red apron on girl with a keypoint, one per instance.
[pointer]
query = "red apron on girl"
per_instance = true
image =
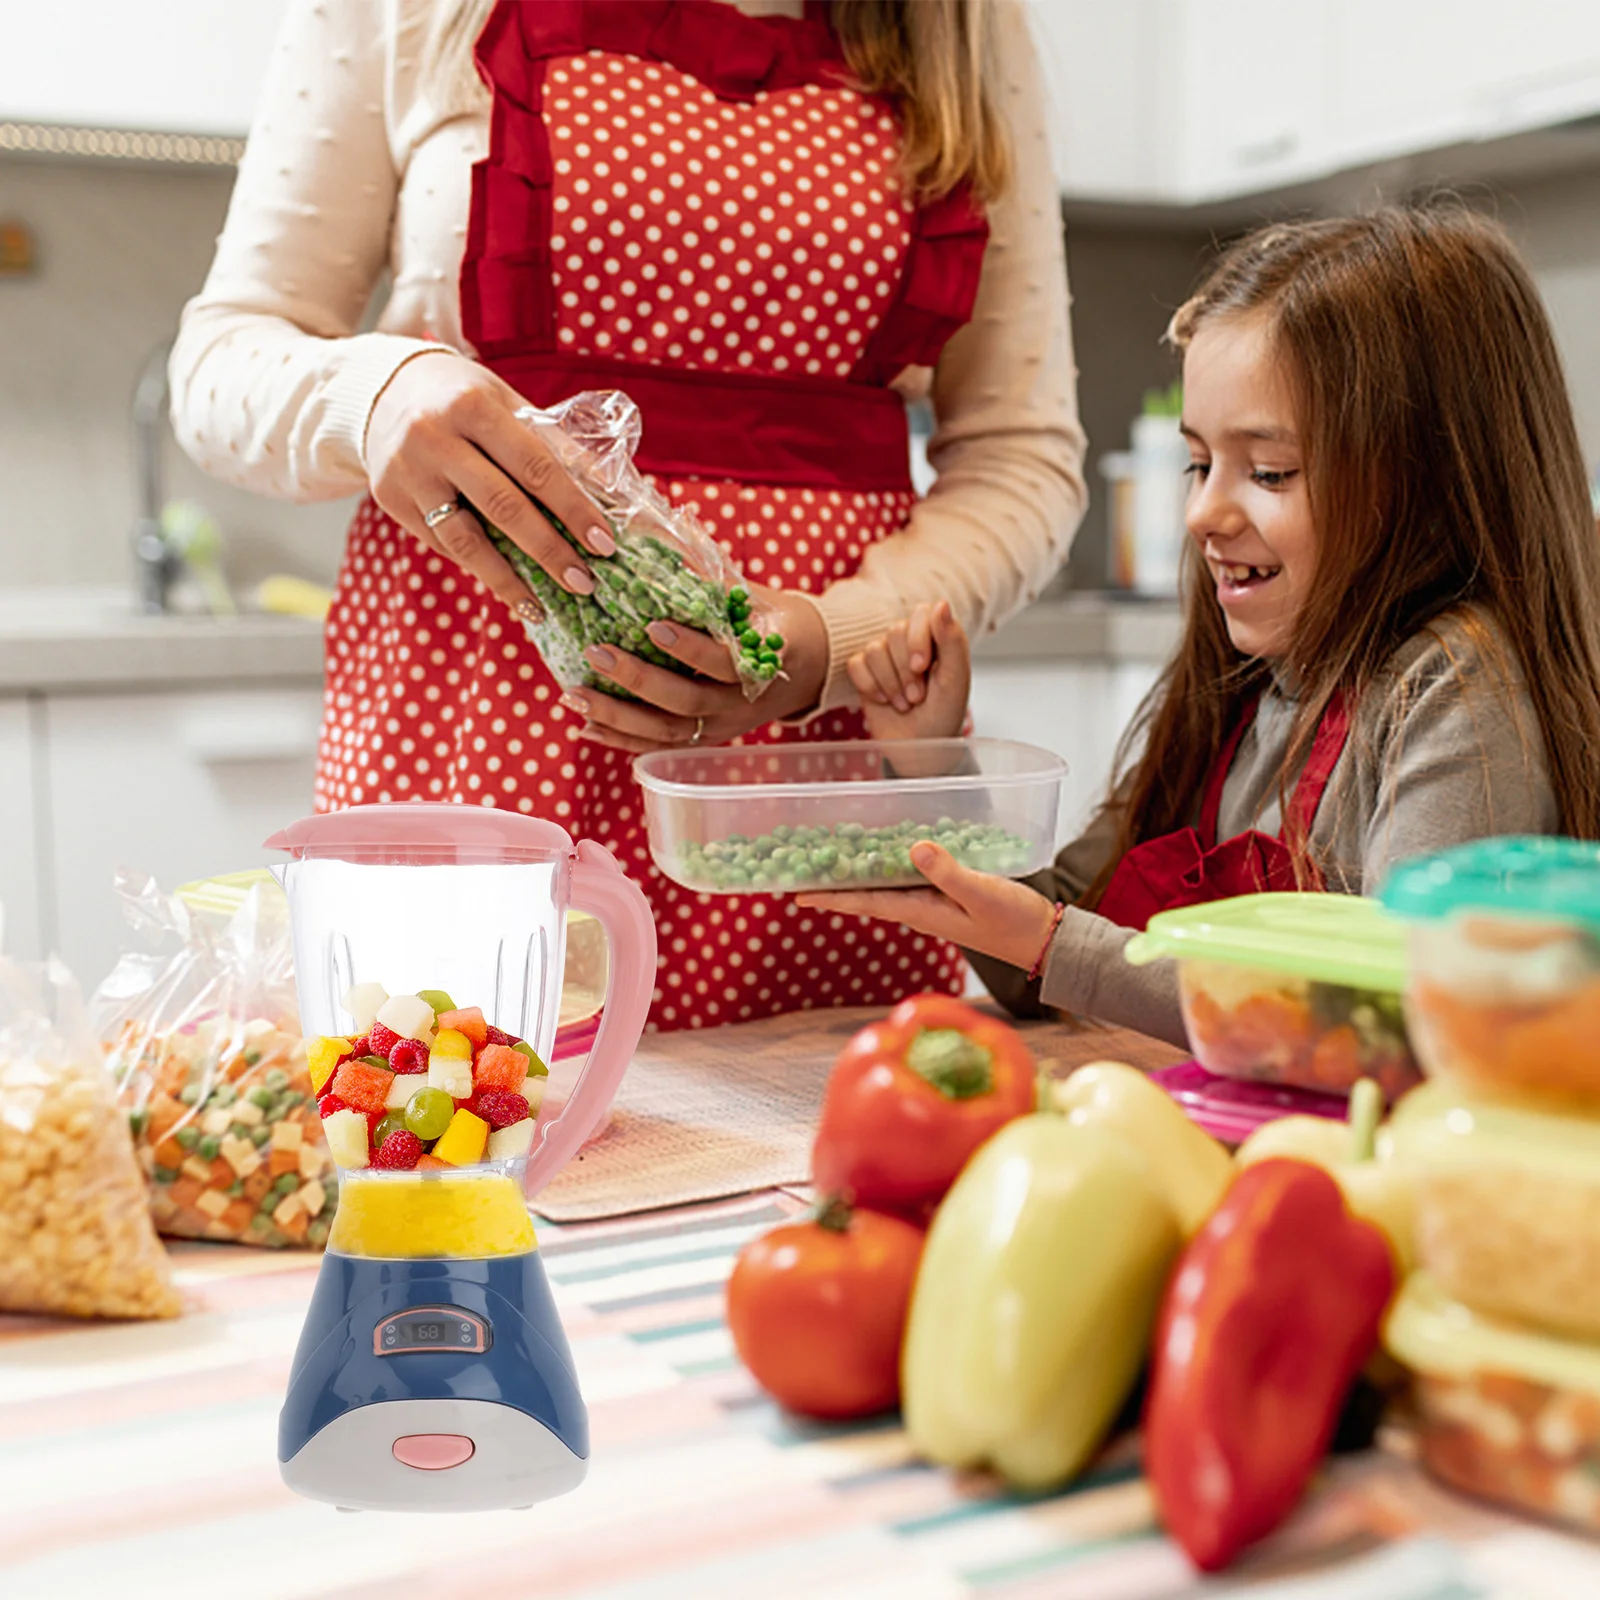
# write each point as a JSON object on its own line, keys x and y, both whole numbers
{"x": 1190, "y": 867}
{"x": 688, "y": 204}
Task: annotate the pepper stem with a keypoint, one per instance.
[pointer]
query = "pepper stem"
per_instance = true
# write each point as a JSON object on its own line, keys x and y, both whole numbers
{"x": 833, "y": 1213}
{"x": 958, "y": 1067}
{"x": 1366, "y": 1110}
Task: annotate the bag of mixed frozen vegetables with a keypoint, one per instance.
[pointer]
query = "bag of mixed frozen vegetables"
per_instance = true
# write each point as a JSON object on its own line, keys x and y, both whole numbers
{"x": 667, "y": 568}
{"x": 203, "y": 1039}
{"x": 75, "y": 1233}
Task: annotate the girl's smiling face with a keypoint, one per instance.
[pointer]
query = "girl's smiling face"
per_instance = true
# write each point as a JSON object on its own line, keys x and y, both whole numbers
{"x": 1248, "y": 509}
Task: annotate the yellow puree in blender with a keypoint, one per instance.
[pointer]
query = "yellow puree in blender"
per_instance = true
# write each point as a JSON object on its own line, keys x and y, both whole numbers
{"x": 416, "y": 1215}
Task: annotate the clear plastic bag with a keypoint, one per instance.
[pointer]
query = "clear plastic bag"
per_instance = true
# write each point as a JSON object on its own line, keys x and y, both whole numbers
{"x": 203, "y": 1040}
{"x": 75, "y": 1233}
{"x": 667, "y": 566}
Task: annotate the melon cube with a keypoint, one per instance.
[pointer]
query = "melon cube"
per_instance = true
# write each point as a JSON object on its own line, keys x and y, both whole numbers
{"x": 363, "y": 1085}
{"x": 322, "y": 1056}
{"x": 462, "y": 1142}
{"x": 505, "y": 1144}
{"x": 532, "y": 1091}
{"x": 451, "y": 1043}
{"x": 453, "y": 1074}
{"x": 348, "y": 1138}
{"x": 469, "y": 1022}
{"x": 401, "y": 1090}
{"x": 408, "y": 1015}
{"x": 499, "y": 1067}
{"x": 363, "y": 1001}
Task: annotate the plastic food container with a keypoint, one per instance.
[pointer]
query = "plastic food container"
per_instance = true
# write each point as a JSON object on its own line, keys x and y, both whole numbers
{"x": 765, "y": 819}
{"x": 1297, "y": 989}
{"x": 1504, "y": 997}
{"x": 1231, "y": 1110}
{"x": 1505, "y": 1414}
{"x": 1508, "y": 1206}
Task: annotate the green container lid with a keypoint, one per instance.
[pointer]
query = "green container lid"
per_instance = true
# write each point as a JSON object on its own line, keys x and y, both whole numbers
{"x": 1329, "y": 938}
{"x": 1519, "y": 876}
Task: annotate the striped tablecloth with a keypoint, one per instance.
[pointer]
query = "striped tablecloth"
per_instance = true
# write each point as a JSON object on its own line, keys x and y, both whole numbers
{"x": 139, "y": 1461}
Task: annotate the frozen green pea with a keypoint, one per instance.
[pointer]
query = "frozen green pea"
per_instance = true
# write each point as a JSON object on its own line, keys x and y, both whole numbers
{"x": 277, "y": 1080}
{"x": 261, "y": 1096}
{"x": 187, "y": 1138}
{"x": 189, "y": 1094}
{"x": 209, "y": 1147}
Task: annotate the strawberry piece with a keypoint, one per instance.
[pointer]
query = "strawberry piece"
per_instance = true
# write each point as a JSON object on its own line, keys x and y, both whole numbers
{"x": 382, "y": 1040}
{"x": 499, "y": 1067}
{"x": 469, "y": 1021}
{"x": 400, "y": 1152}
{"x": 410, "y": 1055}
{"x": 363, "y": 1087}
{"x": 493, "y": 1035}
{"x": 500, "y": 1107}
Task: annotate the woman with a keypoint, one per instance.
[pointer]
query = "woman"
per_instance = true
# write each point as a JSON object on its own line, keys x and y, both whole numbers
{"x": 695, "y": 202}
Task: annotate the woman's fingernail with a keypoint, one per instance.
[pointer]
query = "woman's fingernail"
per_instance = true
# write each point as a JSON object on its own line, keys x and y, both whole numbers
{"x": 914, "y": 694}
{"x": 601, "y": 542}
{"x": 601, "y": 656}
{"x": 575, "y": 702}
{"x": 900, "y": 704}
{"x": 919, "y": 663}
{"x": 529, "y": 609}
{"x": 578, "y": 581}
{"x": 663, "y": 633}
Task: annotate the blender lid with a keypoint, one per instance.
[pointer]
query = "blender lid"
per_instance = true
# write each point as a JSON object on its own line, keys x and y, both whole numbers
{"x": 1532, "y": 876}
{"x": 423, "y": 832}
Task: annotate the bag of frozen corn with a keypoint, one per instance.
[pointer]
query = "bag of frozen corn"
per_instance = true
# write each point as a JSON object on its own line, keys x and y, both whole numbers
{"x": 202, "y": 1036}
{"x": 75, "y": 1235}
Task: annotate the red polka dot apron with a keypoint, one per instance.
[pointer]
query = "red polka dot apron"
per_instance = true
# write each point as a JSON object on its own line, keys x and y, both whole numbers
{"x": 691, "y": 205}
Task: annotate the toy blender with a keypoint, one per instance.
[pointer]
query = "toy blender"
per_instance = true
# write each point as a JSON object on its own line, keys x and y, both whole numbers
{"x": 432, "y": 1373}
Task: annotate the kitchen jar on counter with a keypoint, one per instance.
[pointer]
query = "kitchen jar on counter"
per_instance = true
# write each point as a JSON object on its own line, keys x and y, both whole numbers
{"x": 1504, "y": 992}
{"x": 1299, "y": 989}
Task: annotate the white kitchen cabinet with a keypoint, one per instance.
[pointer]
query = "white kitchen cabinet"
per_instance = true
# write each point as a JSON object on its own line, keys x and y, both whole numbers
{"x": 21, "y": 935}
{"x": 180, "y": 66}
{"x": 180, "y": 785}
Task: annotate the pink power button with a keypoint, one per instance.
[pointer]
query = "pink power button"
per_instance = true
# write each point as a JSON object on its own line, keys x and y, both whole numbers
{"x": 433, "y": 1452}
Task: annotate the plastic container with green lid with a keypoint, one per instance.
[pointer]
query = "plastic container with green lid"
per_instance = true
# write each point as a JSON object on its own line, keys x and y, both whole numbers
{"x": 1300, "y": 989}
{"x": 1504, "y": 990}
{"x": 1504, "y": 1413}
{"x": 1507, "y": 1205}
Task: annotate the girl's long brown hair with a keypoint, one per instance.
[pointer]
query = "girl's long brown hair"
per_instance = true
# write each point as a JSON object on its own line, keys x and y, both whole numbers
{"x": 1444, "y": 476}
{"x": 937, "y": 57}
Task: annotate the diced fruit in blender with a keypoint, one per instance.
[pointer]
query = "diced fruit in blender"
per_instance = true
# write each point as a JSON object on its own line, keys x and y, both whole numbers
{"x": 410, "y": 1055}
{"x": 494, "y": 1035}
{"x": 532, "y": 1091}
{"x": 348, "y": 1138}
{"x": 381, "y": 1040}
{"x": 450, "y": 1042}
{"x": 393, "y": 1122}
{"x": 451, "y": 1074}
{"x": 322, "y": 1056}
{"x": 401, "y": 1089}
{"x": 499, "y": 1067}
{"x": 429, "y": 1113}
{"x": 470, "y": 1022}
{"x": 535, "y": 1064}
{"x": 400, "y": 1152}
{"x": 363, "y": 1001}
{"x": 505, "y": 1144}
{"x": 431, "y": 1163}
{"x": 408, "y": 1014}
{"x": 437, "y": 998}
{"x": 501, "y": 1107}
{"x": 363, "y": 1086}
{"x": 328, "y": 1103}
{"x": 462, "y": 1142}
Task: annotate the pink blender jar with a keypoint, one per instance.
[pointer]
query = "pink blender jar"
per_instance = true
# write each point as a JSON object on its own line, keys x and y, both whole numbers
{"x": 432, "y": 1373}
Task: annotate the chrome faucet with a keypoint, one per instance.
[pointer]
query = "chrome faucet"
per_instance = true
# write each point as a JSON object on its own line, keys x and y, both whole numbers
{"x": 155, "y": 563}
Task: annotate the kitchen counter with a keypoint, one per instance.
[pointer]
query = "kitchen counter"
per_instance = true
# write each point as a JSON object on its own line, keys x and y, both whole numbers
{"x": 1089, "y": 626}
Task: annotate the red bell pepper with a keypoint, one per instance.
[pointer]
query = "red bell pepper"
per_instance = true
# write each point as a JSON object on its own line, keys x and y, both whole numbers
{"x": 911, "y": 1098}
{"x": 1271, "y": 1312}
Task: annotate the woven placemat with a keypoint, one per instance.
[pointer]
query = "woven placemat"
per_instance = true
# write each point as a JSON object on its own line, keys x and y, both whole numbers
{"x": 715, "y": 1112}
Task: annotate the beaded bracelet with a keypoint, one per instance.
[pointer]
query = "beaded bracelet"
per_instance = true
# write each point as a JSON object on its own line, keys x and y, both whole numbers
{"x": 1049, "y": 939}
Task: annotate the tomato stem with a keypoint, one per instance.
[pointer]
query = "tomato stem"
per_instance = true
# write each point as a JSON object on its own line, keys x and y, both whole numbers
{"x": 833, "y": 1213}
{"x": 957, "y": 1066}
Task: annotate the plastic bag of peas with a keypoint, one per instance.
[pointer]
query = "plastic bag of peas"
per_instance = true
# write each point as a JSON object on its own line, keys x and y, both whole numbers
{"x": 203, "y": 1042}
{"x": 667, "y": 568}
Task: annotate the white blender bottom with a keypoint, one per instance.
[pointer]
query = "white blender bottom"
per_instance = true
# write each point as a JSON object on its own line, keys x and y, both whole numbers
{"x": 515, "y": 1461}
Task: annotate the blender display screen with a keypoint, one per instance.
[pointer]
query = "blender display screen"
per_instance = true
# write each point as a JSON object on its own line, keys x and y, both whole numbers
{"x": 424, "y": 1328}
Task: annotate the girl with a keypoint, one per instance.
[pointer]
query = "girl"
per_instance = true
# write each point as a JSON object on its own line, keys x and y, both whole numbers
{"x": 1392, "y": 635}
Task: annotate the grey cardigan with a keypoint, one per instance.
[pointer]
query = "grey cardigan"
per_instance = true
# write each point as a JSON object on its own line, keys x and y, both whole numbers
{"x": 1444, "y": 748}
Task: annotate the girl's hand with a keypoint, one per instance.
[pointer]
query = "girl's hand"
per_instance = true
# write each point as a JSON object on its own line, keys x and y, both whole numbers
{"x": 914, "y": 682}
{"x": 975, "y": 910}
{"x": 445, "y": 428}
{"x": 672, "y": 710}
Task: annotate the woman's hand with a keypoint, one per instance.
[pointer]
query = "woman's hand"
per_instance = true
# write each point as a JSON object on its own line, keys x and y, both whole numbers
{"x": 709, "y": 708}
{"x": 915, "y": 681}
{"x": 975, "y": 910}
{"x": 444, "y": 427}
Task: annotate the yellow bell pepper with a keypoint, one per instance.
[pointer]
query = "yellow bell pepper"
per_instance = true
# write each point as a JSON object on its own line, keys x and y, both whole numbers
{"x": 1376, "y": 1189}
{"x": 1189, "y": 1165}
{"x": 1035, "y": 1300}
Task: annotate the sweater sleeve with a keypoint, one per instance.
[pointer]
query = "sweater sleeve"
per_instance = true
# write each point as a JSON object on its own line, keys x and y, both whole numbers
{"x": 272, "y": 384}
{"x": 1008, "y": 448}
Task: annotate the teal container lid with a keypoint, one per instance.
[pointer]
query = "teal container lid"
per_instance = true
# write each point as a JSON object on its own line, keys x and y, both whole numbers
{"x": 1517, "y": 876}
{"x": 1329, "y": 938}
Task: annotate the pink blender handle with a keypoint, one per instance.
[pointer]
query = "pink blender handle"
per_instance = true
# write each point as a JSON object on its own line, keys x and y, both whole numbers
{"x": 600, "y": 887}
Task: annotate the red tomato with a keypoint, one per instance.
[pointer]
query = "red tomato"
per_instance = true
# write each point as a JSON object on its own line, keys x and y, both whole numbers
{"x": 817, "y": 1309}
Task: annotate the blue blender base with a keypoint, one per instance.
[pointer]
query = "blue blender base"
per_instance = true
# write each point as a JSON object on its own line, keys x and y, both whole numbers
{"x": 467, "y": 1357}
